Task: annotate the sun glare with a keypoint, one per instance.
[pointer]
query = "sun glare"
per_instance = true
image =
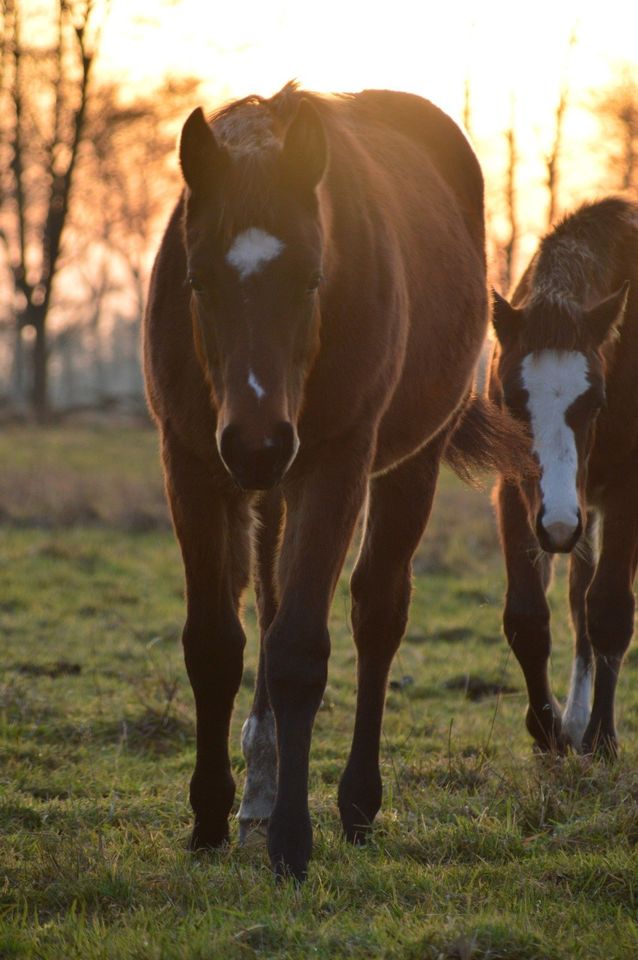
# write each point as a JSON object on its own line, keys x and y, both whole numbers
{"x": 493, "y": 63}
{"x": 501, "y": 49}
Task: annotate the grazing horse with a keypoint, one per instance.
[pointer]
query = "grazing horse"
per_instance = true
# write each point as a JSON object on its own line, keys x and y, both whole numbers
{"x": 316, "y": 311}
{"x": 566, "y": 363}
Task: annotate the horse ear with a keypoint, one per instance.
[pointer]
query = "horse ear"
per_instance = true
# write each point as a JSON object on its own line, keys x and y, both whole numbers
{"x": 200, "y": 155}
{"x": 305, "y": 150}
{"x": 605, "y": 318}
{"x": 505, "y": 318}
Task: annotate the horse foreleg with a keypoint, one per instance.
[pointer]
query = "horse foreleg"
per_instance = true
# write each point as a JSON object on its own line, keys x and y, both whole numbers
{"x": 213, "y": 535}
{"x": 322, "y": 508}
{"x": 398, "y": 509}
{"x": 582, "y": 564}
{"x": 610, "y": 612}
{"x": 526, "y": 614}
{"x": 258, "y": 732}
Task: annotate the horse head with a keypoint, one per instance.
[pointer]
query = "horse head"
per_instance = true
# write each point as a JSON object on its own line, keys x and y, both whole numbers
{"x": 254, "y": 246}
{"x": 551, "y": 370}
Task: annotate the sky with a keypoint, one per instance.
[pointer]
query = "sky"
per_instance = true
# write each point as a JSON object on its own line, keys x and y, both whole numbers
{"x": 428, "y": 48}
{"x": 515, "y": 56}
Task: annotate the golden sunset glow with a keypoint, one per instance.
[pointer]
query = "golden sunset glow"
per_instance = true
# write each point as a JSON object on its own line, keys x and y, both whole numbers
{"x": 513, "y": 59}
{"x": 431, "y": 49}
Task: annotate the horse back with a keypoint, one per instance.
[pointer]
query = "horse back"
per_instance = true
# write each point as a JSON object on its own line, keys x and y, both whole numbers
{"x": 442, "y": 140}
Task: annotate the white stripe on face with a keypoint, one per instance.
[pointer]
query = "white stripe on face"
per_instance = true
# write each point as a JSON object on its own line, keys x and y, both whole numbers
{"x": 554, "y": 380}
{"x": 251, "y": 249}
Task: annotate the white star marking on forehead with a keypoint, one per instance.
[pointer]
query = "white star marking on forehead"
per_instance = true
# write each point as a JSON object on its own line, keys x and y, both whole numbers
{"x": 553, "y": 380}
{"x": 251, "y": 249}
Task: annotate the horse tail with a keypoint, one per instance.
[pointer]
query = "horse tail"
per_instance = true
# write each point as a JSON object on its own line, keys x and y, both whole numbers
{"x": 486, "y": 438}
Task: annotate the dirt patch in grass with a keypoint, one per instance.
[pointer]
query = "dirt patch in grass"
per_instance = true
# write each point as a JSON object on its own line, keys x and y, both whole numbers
{"x": 478, "y": 688}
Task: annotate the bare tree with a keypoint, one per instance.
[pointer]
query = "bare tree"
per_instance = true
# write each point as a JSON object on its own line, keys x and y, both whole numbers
{"x": 617, "y": 108}
{"x": 511, "y": 246}
{"x": 127, "y": 177}
{"x": 552, "y": 160}
{"x": 44, "y": 94}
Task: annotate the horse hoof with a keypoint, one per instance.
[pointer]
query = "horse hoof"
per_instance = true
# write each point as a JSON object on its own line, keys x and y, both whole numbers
{"x": 253, "y": 833}
{"x": 358, "y": 834}
{"x": 296, "y": 873}
{"x": 290, "y": 845}
{"x": 603, "y": 746}
{"x": 205, "y": 838}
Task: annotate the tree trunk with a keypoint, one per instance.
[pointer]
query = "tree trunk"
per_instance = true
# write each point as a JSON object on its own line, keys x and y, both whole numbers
{"x": 18, "y": 390}
{"x": 40, "y": 368}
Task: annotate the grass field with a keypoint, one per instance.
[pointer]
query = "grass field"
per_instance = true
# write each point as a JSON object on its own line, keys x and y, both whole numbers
{"x": 481, "y": 850}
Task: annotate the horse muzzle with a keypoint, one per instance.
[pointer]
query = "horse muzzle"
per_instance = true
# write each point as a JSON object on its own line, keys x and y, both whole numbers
{"x": 261, "y": 464}
{"x": 558, "y": 536}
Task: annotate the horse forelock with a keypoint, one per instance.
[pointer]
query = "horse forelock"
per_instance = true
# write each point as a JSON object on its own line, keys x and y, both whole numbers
{"x": 247, "y": 129}
{"x": 554, "y": 323}
{"x": 251, "y": 130}
{"x": 253, "y": 127}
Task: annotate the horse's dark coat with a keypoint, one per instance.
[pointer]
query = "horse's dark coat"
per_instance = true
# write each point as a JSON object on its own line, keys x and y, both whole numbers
{"x": 574, "y": 302}
{"x": 367, "y": 369}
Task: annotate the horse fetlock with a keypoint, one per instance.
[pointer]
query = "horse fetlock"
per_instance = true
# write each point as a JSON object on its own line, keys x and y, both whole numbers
{"x": 360, "y": 795}
{"x": 211, "y": 798}
{"x": 544, "y": 724}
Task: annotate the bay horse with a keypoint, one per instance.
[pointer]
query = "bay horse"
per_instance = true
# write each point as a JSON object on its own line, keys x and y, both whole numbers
{"x": 566, "y": 363}
{"x": 316, "y": 311}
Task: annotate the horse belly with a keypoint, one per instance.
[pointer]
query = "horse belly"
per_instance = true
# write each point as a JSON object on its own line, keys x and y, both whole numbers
{"x": 447, "y": 333}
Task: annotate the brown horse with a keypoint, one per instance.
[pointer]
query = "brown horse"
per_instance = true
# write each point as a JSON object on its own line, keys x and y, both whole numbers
{"x": 316, "y": 311}
{"x": 566, "y": 363}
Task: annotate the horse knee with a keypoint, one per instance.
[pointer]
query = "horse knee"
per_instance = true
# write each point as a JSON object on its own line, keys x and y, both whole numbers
{"x": 526, "y": 627}
{"x": 214, "y": 657}
{"x": 296, "y": 665}
{"x": 610, "y": 620}
{"x": 380, "y": 606}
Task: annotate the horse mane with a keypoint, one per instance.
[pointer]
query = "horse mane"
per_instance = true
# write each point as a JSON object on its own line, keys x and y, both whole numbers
{"x": 575, "y": 265}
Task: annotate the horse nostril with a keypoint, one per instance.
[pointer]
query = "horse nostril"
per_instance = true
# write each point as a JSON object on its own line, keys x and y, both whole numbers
{"x": 283, "y": 440}
{"x": 229, "y": 444}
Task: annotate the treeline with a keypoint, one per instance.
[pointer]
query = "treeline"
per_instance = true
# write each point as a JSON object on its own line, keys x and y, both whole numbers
{"x": 88, "y": 173}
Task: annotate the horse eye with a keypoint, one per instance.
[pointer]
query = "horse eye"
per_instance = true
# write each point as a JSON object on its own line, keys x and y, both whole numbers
{"x": 195, "y": 283}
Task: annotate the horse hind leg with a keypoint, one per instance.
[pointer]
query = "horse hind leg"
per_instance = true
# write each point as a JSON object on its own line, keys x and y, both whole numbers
{"x": 398, "y": 510}
{"x": 610, "y": 612}
{"x": 258, "y": 732}
{"x": 581, "y": 570}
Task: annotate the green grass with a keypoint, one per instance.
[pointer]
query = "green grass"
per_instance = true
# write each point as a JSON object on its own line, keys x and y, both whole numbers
{"x": 481, "y": 850}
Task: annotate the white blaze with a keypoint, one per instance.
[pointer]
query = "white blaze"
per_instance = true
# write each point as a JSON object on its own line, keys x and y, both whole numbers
{"x": 554, "y": 380}
{"x": 251, "y": 249}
